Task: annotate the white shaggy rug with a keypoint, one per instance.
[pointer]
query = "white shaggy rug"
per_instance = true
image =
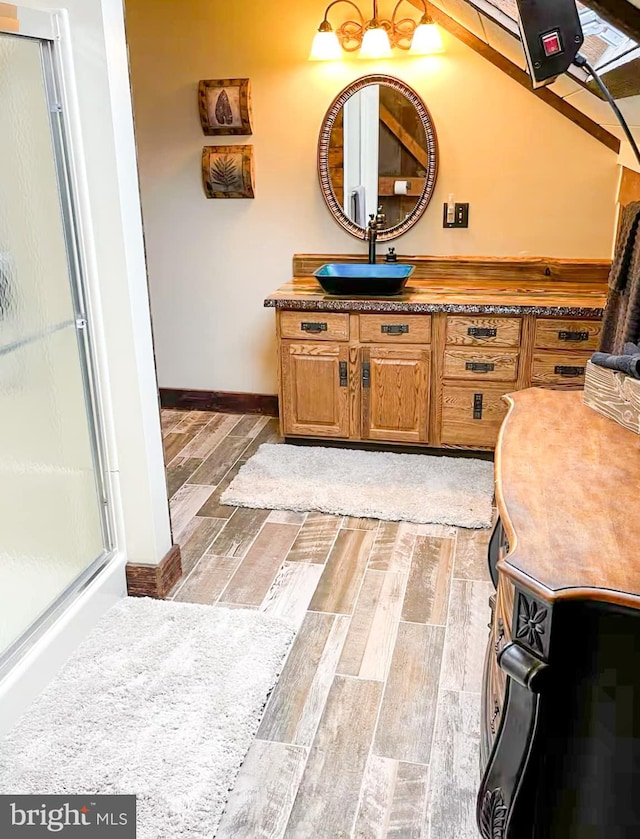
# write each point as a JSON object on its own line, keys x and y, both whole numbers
{"x": 161, "y": 700}
{"x": 381, "y": 485}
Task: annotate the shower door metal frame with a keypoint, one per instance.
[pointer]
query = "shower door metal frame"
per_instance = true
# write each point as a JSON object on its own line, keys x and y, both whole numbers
{"x": 47, "y": 29}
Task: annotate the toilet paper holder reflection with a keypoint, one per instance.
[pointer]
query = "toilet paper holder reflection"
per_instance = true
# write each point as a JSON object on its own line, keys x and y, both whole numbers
{"x": 401, "y": 187}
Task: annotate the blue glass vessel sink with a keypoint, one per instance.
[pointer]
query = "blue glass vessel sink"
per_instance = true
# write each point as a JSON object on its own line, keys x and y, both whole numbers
{"x": 363, "y": 278}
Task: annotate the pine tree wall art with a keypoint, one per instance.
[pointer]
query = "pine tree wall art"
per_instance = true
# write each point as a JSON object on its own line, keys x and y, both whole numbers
{"x": 227, "y": 171}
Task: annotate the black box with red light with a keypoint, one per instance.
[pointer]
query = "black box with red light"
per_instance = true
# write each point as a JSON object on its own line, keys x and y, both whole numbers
{"x": 551, "y": 35}
{"x": 552, "y": 43}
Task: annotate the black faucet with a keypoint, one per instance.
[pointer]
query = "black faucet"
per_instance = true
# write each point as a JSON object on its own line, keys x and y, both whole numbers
{"x": 375, "y": 224}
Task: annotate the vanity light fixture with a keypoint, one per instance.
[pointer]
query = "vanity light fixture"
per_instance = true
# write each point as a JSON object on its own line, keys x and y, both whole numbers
{"x": 375, "y": 37}
{"x": 375, "y": 41}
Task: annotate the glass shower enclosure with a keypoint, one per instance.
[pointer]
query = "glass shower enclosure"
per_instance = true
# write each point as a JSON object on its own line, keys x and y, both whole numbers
{"x": 55, "y": 530}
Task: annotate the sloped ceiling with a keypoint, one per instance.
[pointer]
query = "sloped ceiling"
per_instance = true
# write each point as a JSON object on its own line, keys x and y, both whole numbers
{"x": 479, "y": 23}
{"x": 622, "y": 13}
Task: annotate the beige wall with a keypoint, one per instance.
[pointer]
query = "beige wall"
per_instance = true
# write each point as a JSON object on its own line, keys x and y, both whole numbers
{"x": 537, "y": 184}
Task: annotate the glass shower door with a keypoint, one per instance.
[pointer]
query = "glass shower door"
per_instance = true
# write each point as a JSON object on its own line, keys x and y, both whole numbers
{"x": 53, "y": 524}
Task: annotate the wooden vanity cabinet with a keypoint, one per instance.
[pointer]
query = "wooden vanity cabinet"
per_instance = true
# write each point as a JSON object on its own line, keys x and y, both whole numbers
{"x": 429, "y": 367}
{"x": 374, "y": 385}
{"x": 426, "y": 379}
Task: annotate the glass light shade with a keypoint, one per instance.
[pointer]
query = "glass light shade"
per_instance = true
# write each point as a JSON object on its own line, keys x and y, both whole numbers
{"x": 426, "y": 40}
{"x": 325, "y": 47}
{"x": 375, "y": 44}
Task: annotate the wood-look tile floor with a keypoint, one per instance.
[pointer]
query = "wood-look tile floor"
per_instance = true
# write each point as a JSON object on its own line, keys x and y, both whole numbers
{"x": 373, "y": 728}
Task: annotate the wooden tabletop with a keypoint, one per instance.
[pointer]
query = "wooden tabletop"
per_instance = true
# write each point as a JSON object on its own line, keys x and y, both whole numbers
{"x": 453, "y": 295}
{"x": 568, "y": 489}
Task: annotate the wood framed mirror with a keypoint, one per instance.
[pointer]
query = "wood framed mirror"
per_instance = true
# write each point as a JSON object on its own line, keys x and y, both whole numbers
{"x": 377, "y": 148}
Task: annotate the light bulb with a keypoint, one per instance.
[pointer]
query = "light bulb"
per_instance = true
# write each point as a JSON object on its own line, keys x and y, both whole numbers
{"x": 426, "y": 40}
{"x": 375, "y": 43}
{"x": 325, "y": 46}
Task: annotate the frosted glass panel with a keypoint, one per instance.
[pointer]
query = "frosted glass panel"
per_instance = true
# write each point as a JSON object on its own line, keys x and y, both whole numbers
{"x": 50, "y": 526}
{"x": 34, "y": 278}
{"x": 50, "y": 510}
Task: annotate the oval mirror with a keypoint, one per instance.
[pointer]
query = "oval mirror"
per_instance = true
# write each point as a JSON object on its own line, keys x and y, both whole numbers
{"x": 377, "y": 148}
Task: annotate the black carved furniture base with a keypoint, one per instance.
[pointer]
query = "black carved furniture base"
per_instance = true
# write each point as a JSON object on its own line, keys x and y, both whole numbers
{"x": 503, "y": 796}
{"x": 560, "y": 744}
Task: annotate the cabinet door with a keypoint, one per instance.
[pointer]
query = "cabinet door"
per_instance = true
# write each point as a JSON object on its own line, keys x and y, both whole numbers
{"x": 315, "y": 389}
{"x": 395, "y": 393}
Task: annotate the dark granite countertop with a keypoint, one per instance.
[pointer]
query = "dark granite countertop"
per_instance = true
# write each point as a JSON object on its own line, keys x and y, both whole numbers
{"x": 455, "y": 296}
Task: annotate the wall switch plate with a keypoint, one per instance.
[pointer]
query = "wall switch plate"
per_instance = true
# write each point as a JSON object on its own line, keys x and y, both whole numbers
{"x": 460, "y": 216}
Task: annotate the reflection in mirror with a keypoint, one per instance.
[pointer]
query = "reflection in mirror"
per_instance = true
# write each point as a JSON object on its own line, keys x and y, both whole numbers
{"x": 380, "y": 152}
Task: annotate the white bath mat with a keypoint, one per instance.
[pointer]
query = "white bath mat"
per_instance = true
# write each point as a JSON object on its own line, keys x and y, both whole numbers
{"x": 162, "y": 700}
{"x": 382, "y": 485}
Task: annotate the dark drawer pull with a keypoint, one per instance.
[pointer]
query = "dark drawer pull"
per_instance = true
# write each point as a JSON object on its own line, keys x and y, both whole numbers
{"x": 477, "y": 406}
{"x": 343, "y": 374}
{"x": 482, "y": 332}
{"x": 310, "y": 326}
{"x": 366, "y": 374}
{"x": 564, "y": 335}
{"x": 480, "y": 366}
{"x": 395, "y": 328}
{"x": 569, "y": 372}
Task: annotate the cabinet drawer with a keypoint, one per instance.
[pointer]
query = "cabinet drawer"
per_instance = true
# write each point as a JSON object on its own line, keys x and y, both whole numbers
{"x": 481, "y": 364}
{"x": 472, "y": 415}
{"x": 317, "y": 326}
{"x": 399, "y": 329}
{"x": 553, "y": 368}
{"x": 497, "y": 332}
{"x": 567, "y": 334}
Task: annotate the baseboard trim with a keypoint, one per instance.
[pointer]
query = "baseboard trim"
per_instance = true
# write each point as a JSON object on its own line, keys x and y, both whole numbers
{"x": 226, "y": 402}
{"x": 155, "y": 580}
